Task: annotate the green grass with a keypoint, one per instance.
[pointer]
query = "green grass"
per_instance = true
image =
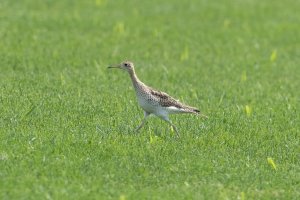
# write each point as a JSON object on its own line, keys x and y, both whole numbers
{"x": 66, "y": 122}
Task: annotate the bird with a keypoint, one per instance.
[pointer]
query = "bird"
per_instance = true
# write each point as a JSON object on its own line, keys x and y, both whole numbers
{"x": 153, "y": 101}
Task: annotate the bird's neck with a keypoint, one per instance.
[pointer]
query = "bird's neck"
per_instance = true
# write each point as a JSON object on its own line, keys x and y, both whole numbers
{"x": 135, "y": 80}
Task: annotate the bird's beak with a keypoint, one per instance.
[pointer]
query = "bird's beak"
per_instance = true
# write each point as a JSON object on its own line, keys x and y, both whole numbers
{"x": 114, "y": 66}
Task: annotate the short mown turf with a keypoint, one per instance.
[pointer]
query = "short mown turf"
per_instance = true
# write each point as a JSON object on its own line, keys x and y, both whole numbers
{"x": 67, "y": 123}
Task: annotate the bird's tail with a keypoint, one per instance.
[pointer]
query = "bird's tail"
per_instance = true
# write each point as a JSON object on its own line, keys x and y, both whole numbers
{"x": 196, "y": 111}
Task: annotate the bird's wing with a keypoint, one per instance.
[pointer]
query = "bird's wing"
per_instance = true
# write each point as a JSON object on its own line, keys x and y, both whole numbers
{"x": 166, "y": 100}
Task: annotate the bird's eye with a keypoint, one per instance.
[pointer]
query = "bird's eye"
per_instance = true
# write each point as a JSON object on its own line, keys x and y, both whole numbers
{"x": 126, "y": 65}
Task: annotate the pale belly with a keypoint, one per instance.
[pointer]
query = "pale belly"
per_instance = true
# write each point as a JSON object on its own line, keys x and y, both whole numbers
{"x": 149, "y": 106}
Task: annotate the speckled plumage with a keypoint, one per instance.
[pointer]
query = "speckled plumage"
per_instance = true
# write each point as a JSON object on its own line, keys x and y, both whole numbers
{"x": 155, "y": 102}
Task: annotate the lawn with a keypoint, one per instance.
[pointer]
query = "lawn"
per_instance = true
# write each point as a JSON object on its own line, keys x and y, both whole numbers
{"x": 67, "y": 122}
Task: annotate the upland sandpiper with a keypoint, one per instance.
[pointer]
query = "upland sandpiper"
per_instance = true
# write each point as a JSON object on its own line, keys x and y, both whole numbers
{"x": 153, "y": 101}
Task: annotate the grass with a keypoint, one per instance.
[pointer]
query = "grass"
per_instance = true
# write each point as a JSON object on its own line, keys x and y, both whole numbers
{"x": 66, "y": 124}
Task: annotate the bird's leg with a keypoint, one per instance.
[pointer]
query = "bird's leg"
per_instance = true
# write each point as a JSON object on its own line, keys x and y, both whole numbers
{"x": 146, "y": 115}
{"x": 165, "y": 118}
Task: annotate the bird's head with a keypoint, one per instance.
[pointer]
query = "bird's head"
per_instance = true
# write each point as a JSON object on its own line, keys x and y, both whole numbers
{"x": 126, "y": 65}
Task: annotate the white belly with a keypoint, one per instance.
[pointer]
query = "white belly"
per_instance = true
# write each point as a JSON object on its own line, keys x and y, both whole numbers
{"x": 148, "y": 105}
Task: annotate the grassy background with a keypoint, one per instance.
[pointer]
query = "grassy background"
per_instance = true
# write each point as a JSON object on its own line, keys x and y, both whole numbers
{"x": 66, "y": 122}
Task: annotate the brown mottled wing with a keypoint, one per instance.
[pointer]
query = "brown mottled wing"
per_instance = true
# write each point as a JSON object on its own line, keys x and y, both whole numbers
{"x": 166, "y": 100}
